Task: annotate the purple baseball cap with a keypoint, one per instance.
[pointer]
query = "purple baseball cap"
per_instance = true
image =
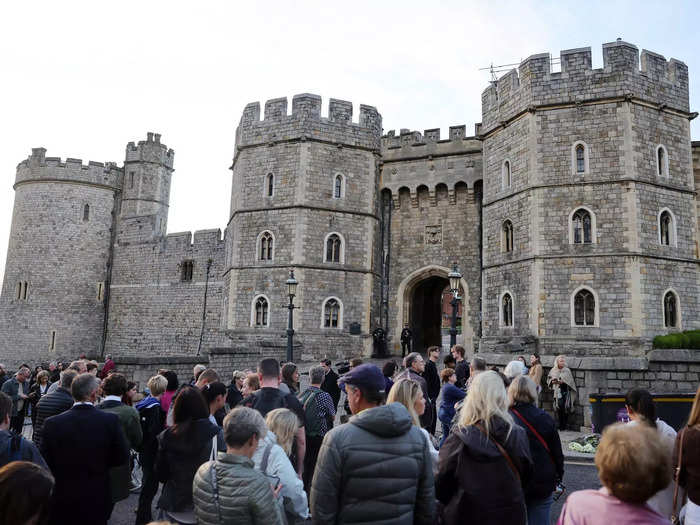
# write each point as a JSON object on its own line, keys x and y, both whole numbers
{"x": 365, "y": 376}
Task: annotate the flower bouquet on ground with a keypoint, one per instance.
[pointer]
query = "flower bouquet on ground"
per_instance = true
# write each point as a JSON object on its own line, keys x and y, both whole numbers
{"x": 587, "y": 444}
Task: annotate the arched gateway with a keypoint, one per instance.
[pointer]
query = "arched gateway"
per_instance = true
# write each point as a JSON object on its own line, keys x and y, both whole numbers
{"x": 420, "y": 300}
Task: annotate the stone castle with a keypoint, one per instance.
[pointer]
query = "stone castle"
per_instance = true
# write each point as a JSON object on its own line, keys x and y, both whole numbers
{"x": 571, "y": 213}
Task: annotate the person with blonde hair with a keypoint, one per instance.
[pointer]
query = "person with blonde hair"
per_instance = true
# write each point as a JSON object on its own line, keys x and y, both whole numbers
{"x": 632, "y": 466}
{"x": 410, "y": 395}
{"x": 686, "y": 462}
{"x": 561, "y": 381}
{"x": 251, "y": 384}
{"x": 272, "y": 459}
{"x": 545, "y": 448}
{"x": 485, "y": 461}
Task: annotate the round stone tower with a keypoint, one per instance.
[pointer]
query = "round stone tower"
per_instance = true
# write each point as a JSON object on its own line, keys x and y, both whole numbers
{"x": 53, "y": 294}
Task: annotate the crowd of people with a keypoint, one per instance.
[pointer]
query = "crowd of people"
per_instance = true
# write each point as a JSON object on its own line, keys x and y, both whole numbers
{"x": 262, "y": 449}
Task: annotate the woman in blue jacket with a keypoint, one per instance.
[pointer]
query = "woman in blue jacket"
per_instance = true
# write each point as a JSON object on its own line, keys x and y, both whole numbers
{"x": 450, "y": 395}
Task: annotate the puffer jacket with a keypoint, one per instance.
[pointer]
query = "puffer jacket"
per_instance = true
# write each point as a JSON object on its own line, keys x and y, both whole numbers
{"x": 244, "y": 495}
{"x": 474, "y": 481}
{"x": 50, "y": 405}
{"x": 178, "y": 458}
{"x": 374, "y": 469}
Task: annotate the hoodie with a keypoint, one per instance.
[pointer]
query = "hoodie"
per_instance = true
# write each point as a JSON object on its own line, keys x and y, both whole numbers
{"x": 376, "y": 467}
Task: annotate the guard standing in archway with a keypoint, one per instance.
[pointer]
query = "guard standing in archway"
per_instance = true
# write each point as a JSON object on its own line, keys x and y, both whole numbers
{"x": 379, "y": 337}
{"x": 406, "y": 336}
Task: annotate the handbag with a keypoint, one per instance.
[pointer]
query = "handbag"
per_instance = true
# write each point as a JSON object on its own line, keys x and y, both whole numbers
{"x": 675, "y": 516}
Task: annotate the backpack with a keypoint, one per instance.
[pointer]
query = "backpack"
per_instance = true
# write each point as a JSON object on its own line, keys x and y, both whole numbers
{"x": 311, "y": 413}
{"x": 254, "y": 401}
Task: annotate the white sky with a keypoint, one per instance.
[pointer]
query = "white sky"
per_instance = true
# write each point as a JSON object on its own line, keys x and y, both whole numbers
{"x": 83, "y": 78}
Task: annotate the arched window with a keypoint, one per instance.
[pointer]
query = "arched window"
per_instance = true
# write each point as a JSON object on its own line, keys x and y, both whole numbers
{"x": 584, "y": 308}
{"x": 506, "y": 177}
{"x": 507, "y": 236}
{"x": 582, "y": 227}
{"x": 507, "y": 310}
{"x": 334, "y": 246}
{"x": 667, "y": 228}
{"x": 86, "y": 213}
{"x": 670, "y": 310}
{"x": 580, "y": 159}
{"x": 267, "y": 246}
{"x": 260, "y": 313}
{"x": 270, "y": 185}
{"x": 332, "y": 313}
{"x": 338, "y": 187}
{"x": 661, "y": 161}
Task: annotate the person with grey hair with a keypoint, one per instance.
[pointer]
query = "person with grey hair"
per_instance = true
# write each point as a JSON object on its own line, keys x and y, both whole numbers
{"x": 53, "y": 404}
{"x": 198, "y": 369}
{"x": 319, "y": 412}
{"x": 83, "y": 432}
{"x": 228, "y": 489}
{"x": 415, "y": 367}
{"x": 17, "y": 389}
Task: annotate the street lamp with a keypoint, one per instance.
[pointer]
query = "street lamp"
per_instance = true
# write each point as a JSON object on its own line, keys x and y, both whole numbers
{"x": 454, "y": 276}
{"x": 291, "y": 291}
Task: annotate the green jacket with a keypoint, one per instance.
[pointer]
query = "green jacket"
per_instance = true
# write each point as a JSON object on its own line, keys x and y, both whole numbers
{"x": 244, "y": 494}
{"x": 119, "y": 477}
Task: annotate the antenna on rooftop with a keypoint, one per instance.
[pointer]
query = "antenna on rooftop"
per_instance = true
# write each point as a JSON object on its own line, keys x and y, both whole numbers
{"x": 504, "y": 68}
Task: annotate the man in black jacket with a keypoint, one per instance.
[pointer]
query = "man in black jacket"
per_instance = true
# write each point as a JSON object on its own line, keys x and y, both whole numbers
{"x": 81, "y": 495}
{"x": 462, "y": 370}
{"x": 330, "y": 382}
{"x": 53, "y": 404}
{"x": 415, "y": 366}
{"x": 432, "y": 379}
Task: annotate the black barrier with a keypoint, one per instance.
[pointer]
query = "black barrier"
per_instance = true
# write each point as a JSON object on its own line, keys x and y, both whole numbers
{"x": 607, "y": 409}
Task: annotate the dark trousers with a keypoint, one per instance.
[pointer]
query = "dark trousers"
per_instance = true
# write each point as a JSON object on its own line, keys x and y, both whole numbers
{"x": 313, "y": 447}
{"x": 433, "y": 421}
{"x": 562, "y": 413}
{"x": 17, "y": 422}
{"x": 149, "y": 488}
{"x": 405, "y": 347}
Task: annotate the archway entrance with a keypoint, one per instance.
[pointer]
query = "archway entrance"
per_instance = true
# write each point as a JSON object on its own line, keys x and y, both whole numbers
{"x": 423, "y": 304}
{"x": 426, "y": 313}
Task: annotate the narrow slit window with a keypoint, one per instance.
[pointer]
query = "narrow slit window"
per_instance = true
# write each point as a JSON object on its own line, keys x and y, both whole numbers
{"x": 507, "y": 309}
{"x": 338, "y": 187}
{"x": 86, "y": 213}
{"x": 131, "y": 179}
{"x": 52, "y": 341}
{"x": 660, "y": 161}
{"x": 580, "y": 159}
{"x": 507, "y": 179}
{"x": 24, "y": 290}
{"x": 100, "y": 291}
{"x": 507, "y": 236}
{"x": 270, "y": 185}
{"x": 666, "y": 228}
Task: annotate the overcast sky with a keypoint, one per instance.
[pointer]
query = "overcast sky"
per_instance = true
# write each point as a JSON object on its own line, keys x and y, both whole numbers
{"x": 84, "y": 78}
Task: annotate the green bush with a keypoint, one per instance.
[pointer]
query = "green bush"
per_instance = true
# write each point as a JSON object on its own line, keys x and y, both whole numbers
{"x": 688, "y": 339}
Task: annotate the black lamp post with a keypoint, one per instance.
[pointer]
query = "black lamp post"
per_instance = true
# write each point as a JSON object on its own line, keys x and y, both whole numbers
{"x": 454, "y": 277}
{"x": 291, "y": 291}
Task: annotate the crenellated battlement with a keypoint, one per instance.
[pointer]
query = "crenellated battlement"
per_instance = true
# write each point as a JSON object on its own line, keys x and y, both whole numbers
{"x": 150, "y": 150}
{"x": 533, "y": 84}
{"x": 182, "y": 242}
{"x": 412, "y": 144}
{"x": 38, "y": 167}
{"x": 305, "y": 121}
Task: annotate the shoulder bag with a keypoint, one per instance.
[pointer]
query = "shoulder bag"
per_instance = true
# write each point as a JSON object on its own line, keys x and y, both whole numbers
{"x": 501, "y": 450}
{"x": 675, "y": 516}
